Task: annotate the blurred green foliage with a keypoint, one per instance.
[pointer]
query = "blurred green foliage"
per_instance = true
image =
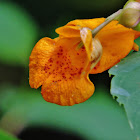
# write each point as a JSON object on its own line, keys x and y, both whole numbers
{"x": 6, "y": 136}
{"x": 98, "y": 115}
{"x": 17, "y": 34}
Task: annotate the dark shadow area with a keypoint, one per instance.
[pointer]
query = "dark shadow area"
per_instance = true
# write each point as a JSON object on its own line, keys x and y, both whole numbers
{"x": 101, "y": 79}
{"x": 11, "y": 74}
{"x": 40, "y": 133}
{"x": 57, "y": 13}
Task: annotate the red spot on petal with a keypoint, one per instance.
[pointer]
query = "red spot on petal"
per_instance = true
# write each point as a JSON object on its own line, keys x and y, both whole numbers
{"x": 80, "y": 71}
{"x": 50, "y": 60}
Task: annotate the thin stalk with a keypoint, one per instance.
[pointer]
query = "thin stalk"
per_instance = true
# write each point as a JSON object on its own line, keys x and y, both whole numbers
{"x": 97, "y": 29}
{"x": 108, "y": 20}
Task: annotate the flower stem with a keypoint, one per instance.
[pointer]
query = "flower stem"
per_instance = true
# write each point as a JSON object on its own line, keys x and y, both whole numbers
{"x": 97, "y": 29}
{"x": 108, "y": 20}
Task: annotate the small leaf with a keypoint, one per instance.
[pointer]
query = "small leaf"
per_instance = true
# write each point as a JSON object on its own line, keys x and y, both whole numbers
{"x": 125, "y": 85}
{"x": 18, "y": 34}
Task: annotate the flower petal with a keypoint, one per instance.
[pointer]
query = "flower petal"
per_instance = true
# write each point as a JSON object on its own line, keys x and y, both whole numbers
{"x": 66, "y": 93}
{"x": 90, "y": 23}
{"x": 86, "y": 36}
{"x": 116, "y": 40}
{"x": 72, "y": 29}
{"x": 69, "y": 31}
{"x": 61, "y": 70}
{"x": 38, "y": 59}
{"x": 135, "y": 47}
{"x": 117, "y": 43}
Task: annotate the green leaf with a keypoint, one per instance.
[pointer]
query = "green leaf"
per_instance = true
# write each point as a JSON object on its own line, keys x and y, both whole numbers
{"x": 125, "y": 85}
{"x": 137, "y": 28}
{"x": 98, "y": 118}
{"x": 18, "y": 34}
{"x": 6, "y": 136}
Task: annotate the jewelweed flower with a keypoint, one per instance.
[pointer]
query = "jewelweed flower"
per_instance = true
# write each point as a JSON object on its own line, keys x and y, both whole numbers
{"x": 62, "y": 69}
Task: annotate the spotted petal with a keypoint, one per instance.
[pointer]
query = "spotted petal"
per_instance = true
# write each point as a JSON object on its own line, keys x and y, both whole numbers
{"x": 61, "y": 70}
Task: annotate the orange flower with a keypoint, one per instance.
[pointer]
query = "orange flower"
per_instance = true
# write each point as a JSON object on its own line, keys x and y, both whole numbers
{"x": 62, "y": 70}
